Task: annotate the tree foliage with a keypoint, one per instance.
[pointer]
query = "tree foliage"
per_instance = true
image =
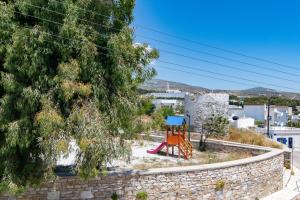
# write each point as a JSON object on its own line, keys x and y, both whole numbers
{"x": 159, "y": 116}
{"x": 279, "y": 101}
{"x": 146, "y": 107}
{"x": 67, "y": 75}
{"x": 215, "y": 125}
{"x": 214, "y": 120}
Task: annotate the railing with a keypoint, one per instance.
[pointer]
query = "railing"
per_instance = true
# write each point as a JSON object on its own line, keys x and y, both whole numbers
{"x": 186, "y": 147}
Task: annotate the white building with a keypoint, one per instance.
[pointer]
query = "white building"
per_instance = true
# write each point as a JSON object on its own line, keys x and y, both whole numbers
{"x": 278, "y": 114}
{"x": 295, "y": 118}
{"x": 258, "y": 112}
{"x": 171, "y": 98}
{"x": 235, "y": 111}
{"x": 286, "y": 135}
{"x": 173, "y": 103}
{"x": 243, "y": 123}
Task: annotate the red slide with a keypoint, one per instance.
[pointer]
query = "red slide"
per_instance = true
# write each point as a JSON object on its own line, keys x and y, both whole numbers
{"x": 157, "y": 149}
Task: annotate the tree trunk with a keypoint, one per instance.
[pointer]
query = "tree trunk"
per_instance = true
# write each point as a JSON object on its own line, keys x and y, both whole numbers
{"x": 202, "y": 144}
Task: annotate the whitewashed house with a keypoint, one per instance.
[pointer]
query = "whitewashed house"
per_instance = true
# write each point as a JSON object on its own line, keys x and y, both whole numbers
{"x": 242, "y": 123}
{"x": 258, "y": 112}
{"x": 295, "y": 118}
{"x": 279, "y": 115}
{"x": 171, "y": 98}
{"x": 287, "y": 135}
{"x": 235, "y": 111}
{"x": 173, "y": 103}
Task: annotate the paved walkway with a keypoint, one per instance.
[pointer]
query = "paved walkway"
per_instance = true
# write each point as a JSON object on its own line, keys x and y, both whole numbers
{"x": 296, "y": 159}
{"x": 289, "y": 191}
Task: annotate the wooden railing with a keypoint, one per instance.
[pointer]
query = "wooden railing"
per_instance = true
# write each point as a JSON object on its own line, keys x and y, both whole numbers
{"x": 186, "y": 147}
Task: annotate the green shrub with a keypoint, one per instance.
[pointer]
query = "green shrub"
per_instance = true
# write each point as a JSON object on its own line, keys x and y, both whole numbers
{"x": 114, "y": 196}
{"x": 142, "y": 195}
{"x": 287, "y": 165}
{"x": 259, "y": 123}
{"x": 220, "y": 184}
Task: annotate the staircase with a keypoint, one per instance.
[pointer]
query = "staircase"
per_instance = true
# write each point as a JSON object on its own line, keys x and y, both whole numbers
{"x": 186, "y": 147}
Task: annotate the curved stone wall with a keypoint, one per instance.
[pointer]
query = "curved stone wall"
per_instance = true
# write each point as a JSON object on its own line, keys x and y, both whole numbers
{"x": 250, "y": 178}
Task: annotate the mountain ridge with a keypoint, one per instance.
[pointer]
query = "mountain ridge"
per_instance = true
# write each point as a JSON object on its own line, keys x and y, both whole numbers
{"x": 159, "y": 85}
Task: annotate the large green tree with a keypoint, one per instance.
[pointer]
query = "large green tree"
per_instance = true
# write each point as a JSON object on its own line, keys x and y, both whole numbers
{"x": 69, "y": 72}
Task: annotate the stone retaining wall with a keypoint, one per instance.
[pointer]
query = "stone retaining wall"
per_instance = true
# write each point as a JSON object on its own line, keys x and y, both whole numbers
{"x": 249, "y": 178}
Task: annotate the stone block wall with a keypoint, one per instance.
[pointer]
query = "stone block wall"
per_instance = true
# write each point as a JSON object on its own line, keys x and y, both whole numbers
{"x": 249, "y": 178}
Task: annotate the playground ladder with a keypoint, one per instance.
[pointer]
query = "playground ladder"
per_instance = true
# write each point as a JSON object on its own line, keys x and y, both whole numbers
{"x": 186, "y": 147}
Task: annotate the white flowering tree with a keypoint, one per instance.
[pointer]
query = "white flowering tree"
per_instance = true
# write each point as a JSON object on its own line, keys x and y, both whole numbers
{"x": 212, "y": 114}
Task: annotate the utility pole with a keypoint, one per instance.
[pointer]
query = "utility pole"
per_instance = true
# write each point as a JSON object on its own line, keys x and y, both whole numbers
{"x": 268, "y": 119}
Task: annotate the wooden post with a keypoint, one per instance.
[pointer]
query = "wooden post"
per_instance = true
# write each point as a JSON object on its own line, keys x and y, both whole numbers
{"x": 167, "y": 149}
{"x": 166, "y": 139}
{"x": 172, "y": 150}
{"x": 167, "y": 133}
{"x": 178, "y": 147}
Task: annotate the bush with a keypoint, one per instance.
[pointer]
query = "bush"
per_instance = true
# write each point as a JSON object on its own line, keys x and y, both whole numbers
{"x": 249, "y": 137}
{"x": 159, "y": 117}
{"x": 114, "y": 196}
{"x": 142, "y": 195}
{"x": 287, "y": 165}
{"x": 259, "y": 123}
{"x": 220, "y": 184}
{"x": 145, "y": 106}
{"x": 292, "y": 172}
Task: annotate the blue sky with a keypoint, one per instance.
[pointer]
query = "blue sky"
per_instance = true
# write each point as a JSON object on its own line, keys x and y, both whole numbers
{"x": 267, "y": 29}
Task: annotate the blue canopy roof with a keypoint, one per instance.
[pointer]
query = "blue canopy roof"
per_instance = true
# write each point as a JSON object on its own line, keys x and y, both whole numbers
{"x": 175, "y": 121}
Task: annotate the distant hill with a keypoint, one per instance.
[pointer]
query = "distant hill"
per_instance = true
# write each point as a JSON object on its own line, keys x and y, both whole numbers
{"x": 161, "y": 85}
{"x": 259, "y": 89}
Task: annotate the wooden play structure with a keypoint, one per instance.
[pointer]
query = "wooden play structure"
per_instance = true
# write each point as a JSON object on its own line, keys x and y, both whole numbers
{"x": 175, "y": 137}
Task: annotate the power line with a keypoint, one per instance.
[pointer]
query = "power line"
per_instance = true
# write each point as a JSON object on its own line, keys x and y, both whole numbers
{"x": 195, "y": 42}
{"x": 217, "y": 56}
{"x": 227, "y": 66}
{"x": 189, "y": 57}
{"x": 206, "y": 76}
{"x": 221, "y": 74}
{"x": 172, "y": 44}
{"x": 62, "y": 14}
{"x": 219, "y": 48}
{"x": 165, "y": 61}
{"x": 57, "y": 36}
{"x": 211, "y": 77}
{"x": 195, "y": 74}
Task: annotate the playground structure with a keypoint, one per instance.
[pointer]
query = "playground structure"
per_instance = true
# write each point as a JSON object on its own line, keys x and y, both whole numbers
{"x": 175, "y": 137}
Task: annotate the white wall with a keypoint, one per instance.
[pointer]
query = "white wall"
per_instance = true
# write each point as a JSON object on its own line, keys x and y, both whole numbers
{"x": 286, "y": 133}
{"x": 158, "y": 103}
{"x": 255, "y": 111}
{"x": 236, "y": 111}
{"x": 243, "y": 123}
